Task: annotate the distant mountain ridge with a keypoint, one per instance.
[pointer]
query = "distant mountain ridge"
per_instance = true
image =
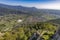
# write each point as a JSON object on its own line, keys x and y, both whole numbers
{"x": 18, "y": 7}
{"x": 30, "y": 9}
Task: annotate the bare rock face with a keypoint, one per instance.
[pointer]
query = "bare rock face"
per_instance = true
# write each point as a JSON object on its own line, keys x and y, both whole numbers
{"x": 34, "y": 36}
{"x": 57, "y": 35}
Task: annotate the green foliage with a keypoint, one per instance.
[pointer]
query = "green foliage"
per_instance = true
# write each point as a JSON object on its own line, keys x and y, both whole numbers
{"x": 46, "y": 37}
{"x": 23, "y": 31}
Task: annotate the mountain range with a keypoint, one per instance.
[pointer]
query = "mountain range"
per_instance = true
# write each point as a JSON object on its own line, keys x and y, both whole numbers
{"x": 28, "y": 9}
{"x": 32, "y": 11}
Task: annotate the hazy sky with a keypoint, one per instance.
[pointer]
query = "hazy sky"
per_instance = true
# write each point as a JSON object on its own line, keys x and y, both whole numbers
{"x": 43, "y": 4}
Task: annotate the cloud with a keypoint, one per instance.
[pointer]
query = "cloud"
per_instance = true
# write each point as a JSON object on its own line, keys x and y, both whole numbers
{"x": 55, "y": 4}
{"x": 50, "y": 5}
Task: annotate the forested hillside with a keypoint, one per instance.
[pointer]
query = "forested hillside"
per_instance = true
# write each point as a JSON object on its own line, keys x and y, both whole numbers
{"x": 12, "y": 29}
{"x": 28, "y": 23}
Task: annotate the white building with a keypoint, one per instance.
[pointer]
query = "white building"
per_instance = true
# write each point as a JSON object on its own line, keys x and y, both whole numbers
{"x": 19, "y": 20}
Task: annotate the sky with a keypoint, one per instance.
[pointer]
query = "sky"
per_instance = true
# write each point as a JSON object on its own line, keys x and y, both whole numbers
{"x": 40, "y": 4}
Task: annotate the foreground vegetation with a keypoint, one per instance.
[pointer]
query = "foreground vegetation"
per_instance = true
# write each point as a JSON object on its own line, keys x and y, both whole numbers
{"x": 10, "y": 29}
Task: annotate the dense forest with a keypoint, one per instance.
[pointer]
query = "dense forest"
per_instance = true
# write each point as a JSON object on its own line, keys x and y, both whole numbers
{"x": 12, "y": 29}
